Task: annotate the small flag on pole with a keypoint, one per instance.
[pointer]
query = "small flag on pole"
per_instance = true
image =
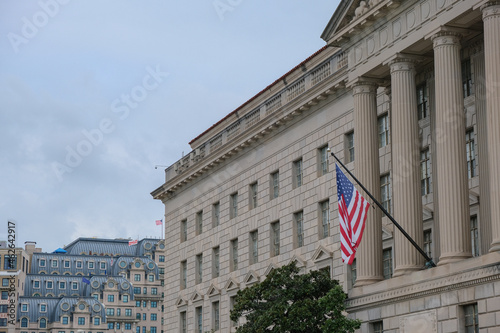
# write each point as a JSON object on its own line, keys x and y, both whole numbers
{"x": 352, "y": 216}
{"x": 132, "y": 242}
{"x": 84, "y": 280}
{"x": 159, "y": 222}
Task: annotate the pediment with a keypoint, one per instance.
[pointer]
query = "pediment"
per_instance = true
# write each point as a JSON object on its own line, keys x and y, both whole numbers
{"x": 352, "y": 16}
{"x": 427, "y": 213}
{"x": 251, "y": 278}
{"x": 386, "y": 233}
{"x": 180, "y": 302}
{"x": 299, "y": 262}
{"x": 213, "y": 290}
{"x": 270, "y": 268}
{"x": 231, "y": 284}
{"x": 196, "y": 296}
{"x": 473, "y": 198}
{"x": 321, "y": 253}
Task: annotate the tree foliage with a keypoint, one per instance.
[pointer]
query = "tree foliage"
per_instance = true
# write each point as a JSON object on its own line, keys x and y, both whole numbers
{"x": 287, "y": 301}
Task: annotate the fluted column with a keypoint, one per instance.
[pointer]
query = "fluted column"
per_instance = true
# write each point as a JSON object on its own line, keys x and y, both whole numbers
{"x": 366, "y": 156}
{"x": 453, "y": 195}
{"x": 407, "y": 198}
{"x": 491, "y": 19}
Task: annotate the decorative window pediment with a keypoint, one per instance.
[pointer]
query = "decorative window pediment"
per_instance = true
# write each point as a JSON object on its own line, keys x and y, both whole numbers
{"x": 196, "y": 296}
{"x": 251, "y": 278}
{"x": 180, "y": 302}
{"x": 321, "y": 253}
{"x": 213, "y": 290}
{"x": 231, "y": 284}
{"x": 270, "y": 268}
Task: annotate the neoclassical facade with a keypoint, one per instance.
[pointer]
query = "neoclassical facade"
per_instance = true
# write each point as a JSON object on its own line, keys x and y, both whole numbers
{"x": 406, "y": 94}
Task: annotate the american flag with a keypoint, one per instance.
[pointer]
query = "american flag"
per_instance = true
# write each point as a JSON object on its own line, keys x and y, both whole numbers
{"x": 352, "y": 215}
{"x": 159, "y": 222}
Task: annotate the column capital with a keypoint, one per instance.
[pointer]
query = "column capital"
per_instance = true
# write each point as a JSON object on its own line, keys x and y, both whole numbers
{"x": 490, "y": 8}
{"x": 364, "y": 85}
{"x": 446, "y": 36}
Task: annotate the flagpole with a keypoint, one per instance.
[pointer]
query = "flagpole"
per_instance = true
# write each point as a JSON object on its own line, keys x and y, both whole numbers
{"x": 429, "y": 262}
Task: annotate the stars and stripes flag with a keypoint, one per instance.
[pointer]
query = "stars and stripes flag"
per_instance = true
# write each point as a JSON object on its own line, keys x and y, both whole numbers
{"x": 352, "y": 215}
{"x": 159, "y": 222}
{"x": 132, "y": 242}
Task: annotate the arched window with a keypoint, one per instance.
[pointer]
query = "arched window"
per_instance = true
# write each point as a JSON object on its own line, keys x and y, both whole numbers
{"x": 24, "y": 322}
{"x": 43, "y": 323}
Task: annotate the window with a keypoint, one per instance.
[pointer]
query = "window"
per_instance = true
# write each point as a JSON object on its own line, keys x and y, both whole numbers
{"x": 299, "y": 228}
{"x": 297, "y": 173}
{"x": 42, "y": 262}
{"x": 10, "y": 262}
{"x": 24, "y": 307}
{"x": 387, "y": 263}
{"x": 111, "y": 298}
{"x": 112, "y": 326}
{"x": 43, "y": 307}
{"x": 110, "y": 311}
{"x": 183, "y": 321}
{"x": 5, "y": 282}
{"x": 422, "y": 101}
{"x": 428, "y": 243}
{"x": 474, "y": 236}
{"x": 232, "y": 301}
{"x": 215, "y": 262}
{"x": 154, "y": 291}
{"x": 152, "y": 329}
{"x": 97, "y": 321}
{"x": 137, "y": 303}
{"x": 183, "y": 274}
{"x": 275, "y": 239}
{"x": 275, "y": 184}
{"x": 154, "y": 304}
{"x": 324, "y": 210}
{"x": 349, "y": 147}
{"x": 254, "y": 247}
{"x": 199, "y": 268}
{"x": 161, "y": 258}
{"x": 65, "y": 320}
{"x": 36, "y": 284}
{"x": 199, "y": 222}
{"x": 54, "y": 263}
{"x": 3, "y": 322}
{"x": 102, "y": 265}
{"x": 323, "y": 161}
{"x": 199, "y": 319}
{"x": 215, "y": 316}
{"x": 184, "y": 230}
{"x": 378, "y": 327}
{"x": 383, "y": 130}
{"x": 471, "y": 156}
{"x": 74, "y": 285}
{"x": 128, "y": 326}
{"x": 145, "y": 290}
{"x": 125, "y": 298}
{"x": 466, "y": 77}
{"x": 385, "y": 192}
{"x": 234, "y": 254}
{"x": 143, "y": 316}
{"x": 153, "y": 317}
{"x": 79, "y": 264}
{"x": 215, "y": 215}
{"x": 425, "y": 172}
{"x": 471, "y": 322}
{"x": 67, "y": 264}
{"x": 151, "y": 278}
{"x": 137, "y": 277}
{"x": 24, "y": 322}
{"x": 81, "y": 321}
{"x": 43, "y": 323}
{"x": 5, "y": 294}
{"x": 233, "y": 202}
{"x": 137, "y": 290}
{"x": 91, "y": 265}
{"x": 354, "y": 272}
{"x": 128, "y": 312}
{"x": 62, "y": 285}
{"x": 253, "y": 196}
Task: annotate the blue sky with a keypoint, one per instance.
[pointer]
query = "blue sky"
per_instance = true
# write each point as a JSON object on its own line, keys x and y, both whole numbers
{"x": 96, "y": 93}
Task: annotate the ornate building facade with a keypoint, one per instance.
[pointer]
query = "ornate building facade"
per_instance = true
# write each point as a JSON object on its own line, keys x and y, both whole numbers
{"x": 406, "y": 93}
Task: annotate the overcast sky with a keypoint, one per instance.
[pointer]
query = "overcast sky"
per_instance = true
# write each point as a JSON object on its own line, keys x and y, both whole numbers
{"x": 94, "y": 94}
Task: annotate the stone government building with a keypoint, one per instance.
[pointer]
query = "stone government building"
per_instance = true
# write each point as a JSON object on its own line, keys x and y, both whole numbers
{"x": 406, "y": 93}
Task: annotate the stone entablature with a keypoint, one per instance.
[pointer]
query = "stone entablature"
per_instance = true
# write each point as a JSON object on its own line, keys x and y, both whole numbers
{"x": 259, "y": 122}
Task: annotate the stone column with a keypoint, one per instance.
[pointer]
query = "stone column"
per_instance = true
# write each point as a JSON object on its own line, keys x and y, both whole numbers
{"x": 491, "y": 19}
{"x": 453, "y": 195}
{"x": 366, "y": 157}
{"x": 407, "y": 198}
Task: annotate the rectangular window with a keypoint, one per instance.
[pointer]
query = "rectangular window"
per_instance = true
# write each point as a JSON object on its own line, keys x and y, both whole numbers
{"x": 5, "y": 282}
{"x": 275, "y": 239}
{"x": 125, "y": 298}
{"x": 425, "y": 172}
{"x": 54, "y": 263}
{"x": 474, "y": 236}
{"x": 467, "y": 77}
{"x": 74, "y": 285}
{"x": 154, "y": 317}
{"x": 254, "y": 247}
{"x": 91, "y": 265}
{"x": 50, "y": 284}
{"x": 151, "y": 278}
{"x": 215, "y": 262}
{"x": 153, "y": 329}
{"x": 24, "y": 307}
{"x": 199, "y": 319}
{"x": 184, "y": 230}
{"x": 297, "y": 173}
{"x": 323, "y": 161}
{"x": 428, "y": 243}
{"x": 154, "y": 291}
{"x": 385, "y": 192}
{"x": 128, "y": 312}
{"x": 275, "y": 185}
{"x": 128, "y": 326}
{"x": 65, "y": 320}
{"x": 79, "y": 264}
{"x": 110, "y": 312}
{"x": 199, "y": 268}
{"x": 36, "y": 284}
{"x": 111, "y": 298}
{"x": 43, "y": 307}
{"x": 215, "y": 316}
{"x": 232, "y": 301}
{"x": 234, "y": 254}
{"x": 67, "y": 264}
{"x": 215, "y": 214}
{"x": 81, "y": 321}
{"x": 253, "y": 195}
{"x": 383, "y": 130}
{"x": 102, "y": 265}
{"x": 97, "y": 321}
{"x": 154, "y": 304}
{"x": 471, "y": 156}
{"x": 183, "y": 274}
{"x": 233, "y": 205}
{"x": 349, "y": 147}
{"x": 42, "y": 262}
{"x": 387, "y": 263}
{"x": 199, "y": 222}
{"x": 183, "y": 322}
{"x": 354, "y": 272}
{"x": 137, "y": 291}
{"x": 299, "y": 228}
{"x": 471, "y": 322}
{"x": 137, "y": 277}
{"x": 378, "y": 327}
{"x": 161, "y": 258}
{"x": 324, "y": 218}
{"x": 422, "y": 101}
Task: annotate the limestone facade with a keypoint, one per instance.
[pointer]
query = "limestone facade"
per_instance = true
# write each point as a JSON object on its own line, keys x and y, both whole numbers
{"x": 406, "y": 94}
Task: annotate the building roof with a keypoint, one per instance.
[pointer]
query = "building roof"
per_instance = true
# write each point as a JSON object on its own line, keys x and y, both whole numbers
{"x": 112, "y": 247}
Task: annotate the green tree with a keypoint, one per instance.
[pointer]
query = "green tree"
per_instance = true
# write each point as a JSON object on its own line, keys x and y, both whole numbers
{"x": 287, "y": 301}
